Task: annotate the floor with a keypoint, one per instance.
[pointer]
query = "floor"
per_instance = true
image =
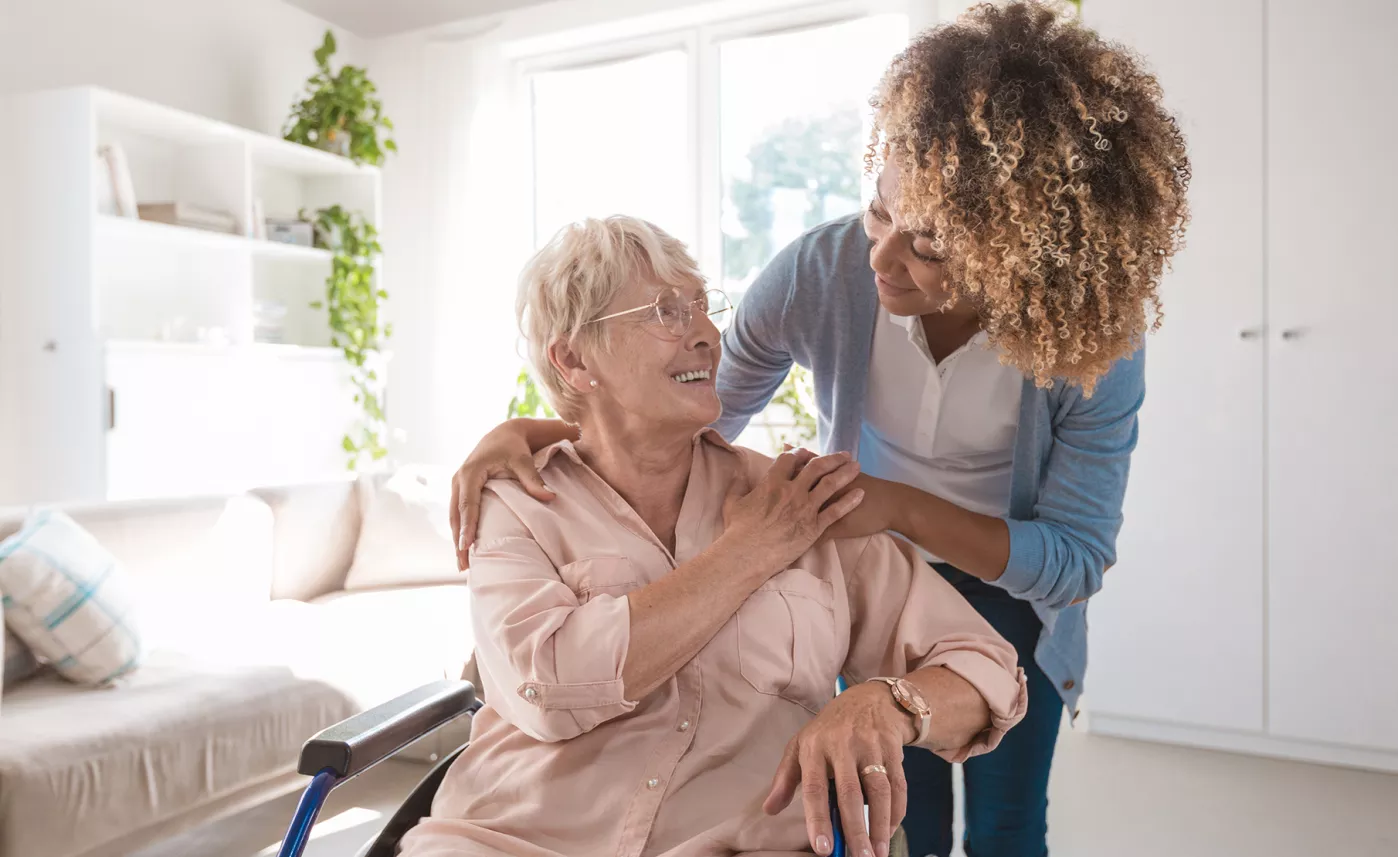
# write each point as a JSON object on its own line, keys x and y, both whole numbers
{"x": 1109, "y": 797}
{"x": 352, "y": 815}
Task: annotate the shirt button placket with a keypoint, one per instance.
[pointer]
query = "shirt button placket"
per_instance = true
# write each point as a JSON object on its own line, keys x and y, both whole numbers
{"x": 663, "y": 768}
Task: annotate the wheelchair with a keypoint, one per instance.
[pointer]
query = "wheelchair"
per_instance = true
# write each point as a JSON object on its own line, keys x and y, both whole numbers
{"x": 349, "y": 748}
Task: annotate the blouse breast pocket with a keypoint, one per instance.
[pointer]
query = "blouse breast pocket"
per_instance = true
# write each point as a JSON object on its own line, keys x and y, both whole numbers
{"x": 787, "y": 640}
{"x": 600, "y": 575}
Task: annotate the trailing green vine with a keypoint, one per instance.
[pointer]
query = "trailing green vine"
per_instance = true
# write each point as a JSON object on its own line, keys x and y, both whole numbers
{"x": 354, "y": 301}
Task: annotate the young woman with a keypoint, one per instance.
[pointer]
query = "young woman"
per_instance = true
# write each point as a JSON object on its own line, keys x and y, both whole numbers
{"x": 976, "y": 342}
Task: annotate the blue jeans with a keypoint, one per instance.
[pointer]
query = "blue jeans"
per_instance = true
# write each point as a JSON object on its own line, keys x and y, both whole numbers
{"x": 1006, "y": 789}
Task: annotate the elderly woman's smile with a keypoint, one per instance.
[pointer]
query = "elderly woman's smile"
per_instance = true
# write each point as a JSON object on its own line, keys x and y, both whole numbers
{"x": 651, "y": 354}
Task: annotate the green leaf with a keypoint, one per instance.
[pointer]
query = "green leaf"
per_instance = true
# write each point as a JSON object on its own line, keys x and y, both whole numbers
{"x": 347, "y": 443}
{"x": 390, "y": 145}
{"x": 326, "y": 48}
{"x": 317, "y": 304}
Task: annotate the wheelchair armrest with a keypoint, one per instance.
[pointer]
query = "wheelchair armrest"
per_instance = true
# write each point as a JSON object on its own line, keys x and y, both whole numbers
{"x": 352, "y": 746}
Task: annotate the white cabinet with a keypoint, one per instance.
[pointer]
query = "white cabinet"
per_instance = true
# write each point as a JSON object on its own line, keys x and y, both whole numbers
{"x": 129, "y": 364}
{"x": 219, "y": 420}
{"x": 1252, "y": 606}
{"x": 1191, "y": 555}
{"x": 1332, "y": 380}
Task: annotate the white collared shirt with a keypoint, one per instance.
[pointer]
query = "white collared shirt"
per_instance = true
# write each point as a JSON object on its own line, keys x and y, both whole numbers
{"x": 948, "y": 428}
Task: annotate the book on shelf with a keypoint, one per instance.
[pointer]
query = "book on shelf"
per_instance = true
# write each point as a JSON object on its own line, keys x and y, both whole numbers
{"x": 186, "y": 214}
{"x": 115, "y": 187}
{"x": 297, "y": 233}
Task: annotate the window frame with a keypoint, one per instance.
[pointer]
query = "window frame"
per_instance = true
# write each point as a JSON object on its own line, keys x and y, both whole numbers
{"x": 700, "y": 42}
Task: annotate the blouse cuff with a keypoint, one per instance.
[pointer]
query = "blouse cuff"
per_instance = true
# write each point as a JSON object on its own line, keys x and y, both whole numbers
{"x": 1007, "y": 696}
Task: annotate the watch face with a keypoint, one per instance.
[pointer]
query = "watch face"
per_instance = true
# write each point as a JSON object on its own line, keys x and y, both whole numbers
{"x": 908, "y": 697}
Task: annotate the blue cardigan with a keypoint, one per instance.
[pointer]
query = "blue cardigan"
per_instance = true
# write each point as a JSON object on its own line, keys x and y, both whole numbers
{"x": 816, "y": 305}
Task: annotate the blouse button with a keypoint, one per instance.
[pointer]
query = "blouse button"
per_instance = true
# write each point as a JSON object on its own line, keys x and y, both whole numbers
{"x": 684, "y": 726}
{"x": 530, "y": 693}
{"x": 1069, "y": 684}
{"x": 652, "y": 783}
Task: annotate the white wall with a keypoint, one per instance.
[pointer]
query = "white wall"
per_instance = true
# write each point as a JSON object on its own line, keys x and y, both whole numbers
{"x": 241, "y": 61}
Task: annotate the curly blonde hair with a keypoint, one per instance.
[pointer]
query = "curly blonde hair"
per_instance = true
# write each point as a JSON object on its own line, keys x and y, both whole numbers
{"x": 1042, "y": 164}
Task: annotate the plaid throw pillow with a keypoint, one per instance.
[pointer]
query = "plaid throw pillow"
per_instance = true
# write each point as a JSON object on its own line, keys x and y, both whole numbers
{"x": 64, "y": 598}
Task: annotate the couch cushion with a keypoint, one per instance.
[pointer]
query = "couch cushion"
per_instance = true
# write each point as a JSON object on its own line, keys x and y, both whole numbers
{"x": 174, "y": 735}
{"x": 65, "y": 596}
{"x": 405, "y": 539}
{"x": 316, "y": 528}
{"x": 371, "y": 645}
{"x": 20, "y": 662}
{"x": 375, "y": 644}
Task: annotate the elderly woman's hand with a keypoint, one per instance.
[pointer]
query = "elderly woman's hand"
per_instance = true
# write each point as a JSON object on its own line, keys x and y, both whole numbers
{"x": 857, "y": 740}
{"x": 789, "y": 508}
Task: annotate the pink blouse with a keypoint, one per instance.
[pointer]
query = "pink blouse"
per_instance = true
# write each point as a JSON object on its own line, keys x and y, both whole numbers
{"x": 562, "y": 764}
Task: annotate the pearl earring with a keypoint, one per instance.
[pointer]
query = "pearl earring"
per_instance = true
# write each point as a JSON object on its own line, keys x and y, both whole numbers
{"x": 594, "y": 384}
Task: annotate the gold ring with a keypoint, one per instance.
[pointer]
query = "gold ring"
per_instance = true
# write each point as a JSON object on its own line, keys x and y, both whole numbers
{"x": 873, "y": 769}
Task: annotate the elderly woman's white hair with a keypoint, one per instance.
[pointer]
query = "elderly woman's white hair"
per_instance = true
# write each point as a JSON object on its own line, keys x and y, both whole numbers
{"x": 576, "y": 275}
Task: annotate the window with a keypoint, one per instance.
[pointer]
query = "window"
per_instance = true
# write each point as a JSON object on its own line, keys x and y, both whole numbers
{"x": 792, "y": 148}
{"x": 736, "y": 138}
{"x": 612, "y": 138}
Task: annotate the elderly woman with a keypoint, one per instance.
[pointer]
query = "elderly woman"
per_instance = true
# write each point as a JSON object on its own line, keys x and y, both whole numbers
{"x": 660, "y": 642}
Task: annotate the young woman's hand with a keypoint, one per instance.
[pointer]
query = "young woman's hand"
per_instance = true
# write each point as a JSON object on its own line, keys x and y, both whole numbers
{"x": 790, "y": 506}
{"x": 503, "y": 453}
{"x": 876, "y": 513}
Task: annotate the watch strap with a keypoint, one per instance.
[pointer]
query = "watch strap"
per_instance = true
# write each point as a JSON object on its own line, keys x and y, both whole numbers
{"x": 923, "y": 721}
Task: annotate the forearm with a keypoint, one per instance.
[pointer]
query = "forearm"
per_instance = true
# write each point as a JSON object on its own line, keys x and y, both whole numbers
{"x": 976, "y": 544}
{"x": 541, "y": 433}
{"x": 959, "y": 712}
{"x": 676, "y": 616}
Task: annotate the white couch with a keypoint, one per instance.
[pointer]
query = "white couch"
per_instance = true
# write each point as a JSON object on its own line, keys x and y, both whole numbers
{"x": 258, "y": 636}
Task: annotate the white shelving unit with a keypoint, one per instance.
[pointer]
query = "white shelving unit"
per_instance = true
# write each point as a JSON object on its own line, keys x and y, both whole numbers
{"x": 129, "y": 365}
{"x": 127, "y": 230}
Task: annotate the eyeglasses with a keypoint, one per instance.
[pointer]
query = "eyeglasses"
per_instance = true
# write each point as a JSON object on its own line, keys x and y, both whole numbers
{"x": 674, "y": 313}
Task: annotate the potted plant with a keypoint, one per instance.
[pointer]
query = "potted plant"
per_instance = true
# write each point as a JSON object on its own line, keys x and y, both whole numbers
{"x": 340, "y": 112}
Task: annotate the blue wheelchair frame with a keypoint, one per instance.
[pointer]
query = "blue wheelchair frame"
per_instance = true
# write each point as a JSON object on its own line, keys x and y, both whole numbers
{"x": 351, "y": 747}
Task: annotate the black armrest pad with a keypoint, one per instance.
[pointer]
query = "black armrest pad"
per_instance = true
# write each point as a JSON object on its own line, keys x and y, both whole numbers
{"x": 354, "y": 745}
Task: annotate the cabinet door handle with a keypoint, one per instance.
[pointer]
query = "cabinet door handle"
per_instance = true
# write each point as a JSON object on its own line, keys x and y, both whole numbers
{"x": 111, "y": 409}
{"x": 1291, "y": 334}
{"x": 1248, "y": 334}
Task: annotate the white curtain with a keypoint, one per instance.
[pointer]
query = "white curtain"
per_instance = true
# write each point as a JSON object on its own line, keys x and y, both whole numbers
{"x": 457, "y": 233}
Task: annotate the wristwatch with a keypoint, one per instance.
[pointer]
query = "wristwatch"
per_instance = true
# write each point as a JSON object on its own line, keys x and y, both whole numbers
{"x": 910, "y": 700}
